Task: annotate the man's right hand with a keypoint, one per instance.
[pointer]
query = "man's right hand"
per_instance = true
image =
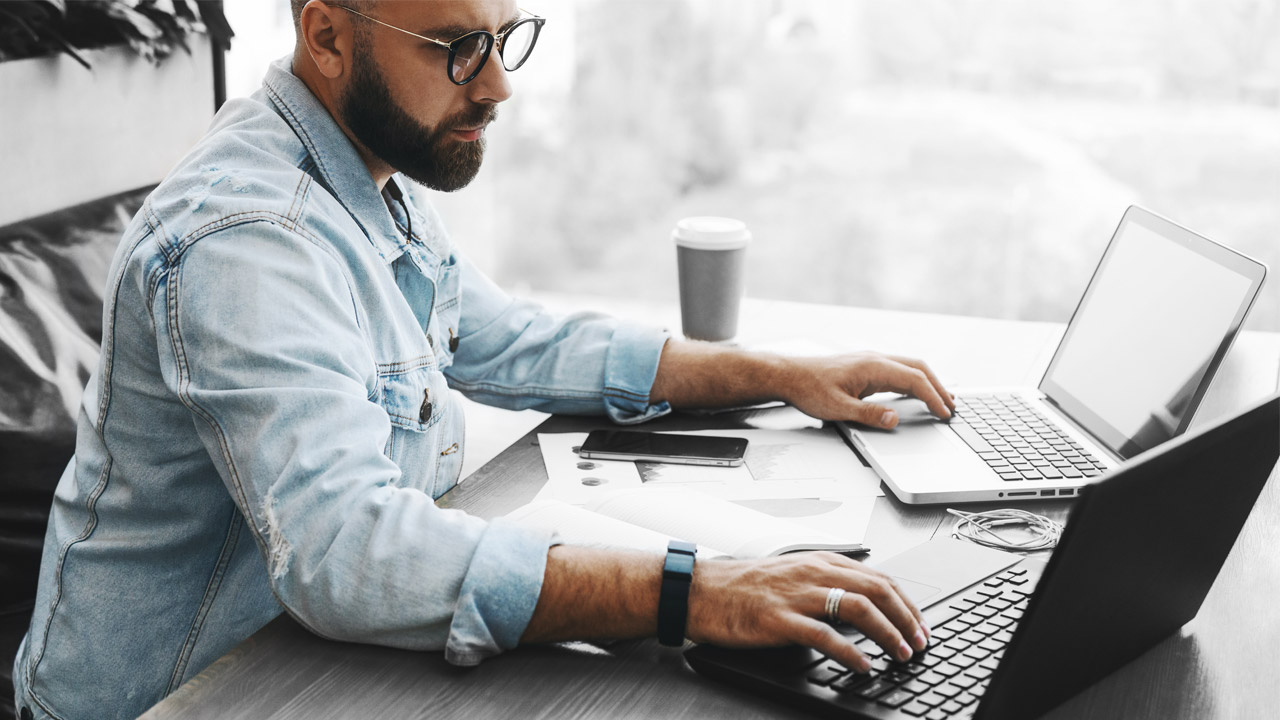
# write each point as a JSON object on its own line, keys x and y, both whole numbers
{"x": 782, "y": 601}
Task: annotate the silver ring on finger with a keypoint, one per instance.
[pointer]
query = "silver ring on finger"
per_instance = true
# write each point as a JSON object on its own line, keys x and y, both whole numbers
{"x": 834, "y": 596}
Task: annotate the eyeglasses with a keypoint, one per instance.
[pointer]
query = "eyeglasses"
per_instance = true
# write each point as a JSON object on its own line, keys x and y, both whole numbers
{"x": 468, "y": 54}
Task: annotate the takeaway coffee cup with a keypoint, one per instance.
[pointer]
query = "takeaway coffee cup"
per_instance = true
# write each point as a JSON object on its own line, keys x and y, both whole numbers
{"x": 710, "y": 256}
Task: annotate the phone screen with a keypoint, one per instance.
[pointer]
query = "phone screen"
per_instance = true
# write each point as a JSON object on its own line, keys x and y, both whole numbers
{"x": 664, "y": 447}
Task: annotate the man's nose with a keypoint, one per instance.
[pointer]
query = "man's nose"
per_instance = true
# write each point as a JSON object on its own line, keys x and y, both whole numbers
{"x": 492, "y": 85}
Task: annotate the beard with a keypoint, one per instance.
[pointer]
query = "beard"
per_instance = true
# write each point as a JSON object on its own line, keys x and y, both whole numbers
{"x": 427, "y": 154}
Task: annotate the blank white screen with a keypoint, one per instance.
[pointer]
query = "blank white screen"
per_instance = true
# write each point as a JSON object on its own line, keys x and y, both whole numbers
{"x": 1156, "y": 316}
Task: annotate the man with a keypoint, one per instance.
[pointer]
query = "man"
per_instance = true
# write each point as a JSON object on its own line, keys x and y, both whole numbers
{"x": 271, "y": 420}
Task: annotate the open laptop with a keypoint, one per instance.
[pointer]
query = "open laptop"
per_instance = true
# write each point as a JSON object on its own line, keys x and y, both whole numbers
{"x": 1014, "y": 637}
{"x": 1162, "y": 309}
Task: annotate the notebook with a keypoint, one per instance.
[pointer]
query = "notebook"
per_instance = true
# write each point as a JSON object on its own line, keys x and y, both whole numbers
{"x": 1014, "y": 637}
{"x": 1156, "y": 320}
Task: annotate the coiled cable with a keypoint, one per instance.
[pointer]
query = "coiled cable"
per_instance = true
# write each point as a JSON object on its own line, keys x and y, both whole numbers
{"x": 977, "y": 528}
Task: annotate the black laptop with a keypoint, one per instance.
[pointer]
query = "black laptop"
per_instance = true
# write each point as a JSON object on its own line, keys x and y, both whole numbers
{"x": 1014, "y": 637}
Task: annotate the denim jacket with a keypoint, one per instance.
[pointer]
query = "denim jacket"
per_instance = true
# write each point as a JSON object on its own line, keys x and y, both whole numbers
{"x": 270, "y": 422}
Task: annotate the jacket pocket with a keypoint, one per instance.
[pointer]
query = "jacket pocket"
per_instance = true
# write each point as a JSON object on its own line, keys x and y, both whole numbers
{"x": 421, "y": 412}
{"x": 448, "y": 311}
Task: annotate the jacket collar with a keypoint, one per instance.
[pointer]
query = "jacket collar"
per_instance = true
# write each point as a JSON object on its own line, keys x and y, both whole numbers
{"x": 336, "y": 159}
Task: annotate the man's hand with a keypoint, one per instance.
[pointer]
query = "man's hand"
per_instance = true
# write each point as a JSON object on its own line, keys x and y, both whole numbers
{"x": 782, "y": 600}
{"x": 832, "y": 388}
{"x": 701, "y": 375}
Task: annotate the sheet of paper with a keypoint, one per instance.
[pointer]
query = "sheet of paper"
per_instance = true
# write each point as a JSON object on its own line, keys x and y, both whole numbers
{"x": 779, "y": 464}
{"x": 845, "y": 517}
{"x": 576, "y": 526}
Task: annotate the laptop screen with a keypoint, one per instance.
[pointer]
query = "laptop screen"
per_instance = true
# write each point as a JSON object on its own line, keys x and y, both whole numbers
{"x": 1156, "y": 320}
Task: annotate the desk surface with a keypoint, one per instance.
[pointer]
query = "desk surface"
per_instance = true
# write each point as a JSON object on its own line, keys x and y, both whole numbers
{"x": 1219, "y": 666}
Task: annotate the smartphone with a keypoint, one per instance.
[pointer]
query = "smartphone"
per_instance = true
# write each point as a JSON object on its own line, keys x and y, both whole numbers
{"x": 664, "y": 447}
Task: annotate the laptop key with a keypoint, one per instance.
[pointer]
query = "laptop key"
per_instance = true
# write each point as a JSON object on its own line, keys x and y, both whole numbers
{"x": 897, "y": 677}
{"x": 873, "y": 689}
{"x": 942, "y": 634}
{"x": 971, "y": 437}
{"x": 850, "y": 682}
{"x": 937, "y": 714}
{"x": 916, "y": 709}
{"x": 991, "y": 645}
{"x": 978, "y": 673}
{"x": 826, "y": 673}
{"x": 949, "y": 692}
{"x": 915, "y": 687}
{"x": 896, "y": 699}
{"x": 946, "y": 670}
{"x": 932, "y": 699}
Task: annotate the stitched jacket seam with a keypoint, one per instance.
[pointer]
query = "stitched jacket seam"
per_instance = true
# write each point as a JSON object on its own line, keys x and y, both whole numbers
{"x": 104, "y": 477}
{"x": 549, "y": 393}
{"x": 229, "y": 545}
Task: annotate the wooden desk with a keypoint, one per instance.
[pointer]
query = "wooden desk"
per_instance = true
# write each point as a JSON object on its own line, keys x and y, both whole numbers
{"x": 1220, "y": 666}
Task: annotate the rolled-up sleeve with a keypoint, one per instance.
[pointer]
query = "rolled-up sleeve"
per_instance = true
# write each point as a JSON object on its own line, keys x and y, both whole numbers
{"x": 264, "y": 343}
{"x": 514, "y": 354}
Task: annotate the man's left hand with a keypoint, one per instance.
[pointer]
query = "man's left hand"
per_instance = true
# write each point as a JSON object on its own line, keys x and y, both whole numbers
{"x": 833, "y": 388}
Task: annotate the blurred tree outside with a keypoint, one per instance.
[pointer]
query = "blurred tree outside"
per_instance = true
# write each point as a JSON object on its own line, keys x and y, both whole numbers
{"x": 952, "y": 156}
{"x": 958, "y": 156}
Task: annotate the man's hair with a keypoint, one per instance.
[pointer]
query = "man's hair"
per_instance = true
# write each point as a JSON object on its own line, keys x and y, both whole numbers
{"x": 296, "y": 6}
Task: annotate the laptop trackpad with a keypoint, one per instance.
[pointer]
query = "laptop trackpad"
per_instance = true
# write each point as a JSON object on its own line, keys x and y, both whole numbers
{"x": 919, "y": 593}
{"x": 939, "y": 568}
{"x": 923, "y": 438}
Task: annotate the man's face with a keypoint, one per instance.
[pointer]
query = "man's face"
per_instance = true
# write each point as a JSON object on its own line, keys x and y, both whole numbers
{"x": 400, "y": 103}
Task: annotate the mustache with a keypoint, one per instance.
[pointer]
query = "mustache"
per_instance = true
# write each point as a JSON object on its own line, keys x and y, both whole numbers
{"x": 472, "y": 117}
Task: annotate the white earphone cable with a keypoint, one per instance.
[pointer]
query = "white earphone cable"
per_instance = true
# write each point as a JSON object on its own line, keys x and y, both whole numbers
{"x": 978, "y": 528}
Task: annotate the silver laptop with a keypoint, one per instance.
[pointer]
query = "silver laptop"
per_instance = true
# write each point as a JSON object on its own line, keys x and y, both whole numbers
{"x": 1154, "y": 324}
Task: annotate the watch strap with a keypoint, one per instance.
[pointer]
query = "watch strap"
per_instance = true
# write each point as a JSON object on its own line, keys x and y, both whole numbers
{"x": 673, "y": 599}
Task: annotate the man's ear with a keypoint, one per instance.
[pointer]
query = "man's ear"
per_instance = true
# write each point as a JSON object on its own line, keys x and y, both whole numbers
{"x": 329, "y": 36}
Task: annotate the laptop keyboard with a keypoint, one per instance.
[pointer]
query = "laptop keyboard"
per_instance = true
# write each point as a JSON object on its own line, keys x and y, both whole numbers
{"x": 1017, "y": 442}
{"x": 948, "y": 678}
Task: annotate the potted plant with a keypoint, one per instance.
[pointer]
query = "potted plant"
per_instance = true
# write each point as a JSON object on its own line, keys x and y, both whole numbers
{"x": 101, "y": 96}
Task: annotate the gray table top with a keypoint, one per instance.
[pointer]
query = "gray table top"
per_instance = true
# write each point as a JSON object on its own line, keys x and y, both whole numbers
{"x": 1221, "y": 665}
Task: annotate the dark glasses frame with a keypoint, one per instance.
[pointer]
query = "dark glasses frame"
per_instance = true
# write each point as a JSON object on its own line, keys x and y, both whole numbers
{"x": 490, "y": 41}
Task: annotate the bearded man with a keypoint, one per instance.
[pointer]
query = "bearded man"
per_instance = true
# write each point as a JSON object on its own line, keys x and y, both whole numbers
{"x": 270, "y": 420}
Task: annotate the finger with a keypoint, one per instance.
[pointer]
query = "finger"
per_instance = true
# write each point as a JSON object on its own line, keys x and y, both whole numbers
{"x": 828, "y": 641}
{"x": 857, "y": 566}
{"x": 913, "y": 381}
{"x": 881, "y": 590}
{"x": 869, "y": 413}
{"x": 866, "y": 615}
{"x": 947, "y": 397}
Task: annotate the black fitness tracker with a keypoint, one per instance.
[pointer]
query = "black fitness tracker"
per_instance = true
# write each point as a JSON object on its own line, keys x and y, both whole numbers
{"x": 673, "y": 601}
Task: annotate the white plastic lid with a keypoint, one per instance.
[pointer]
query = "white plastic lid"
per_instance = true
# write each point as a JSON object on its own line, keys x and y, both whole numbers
{"x": 711, "y": 233}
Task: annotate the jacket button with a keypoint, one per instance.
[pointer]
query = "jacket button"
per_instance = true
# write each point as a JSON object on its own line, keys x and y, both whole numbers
{"x": 453, "y": 341}
{"x": 424, "y": 413}
{"x": 25, "y": 713}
